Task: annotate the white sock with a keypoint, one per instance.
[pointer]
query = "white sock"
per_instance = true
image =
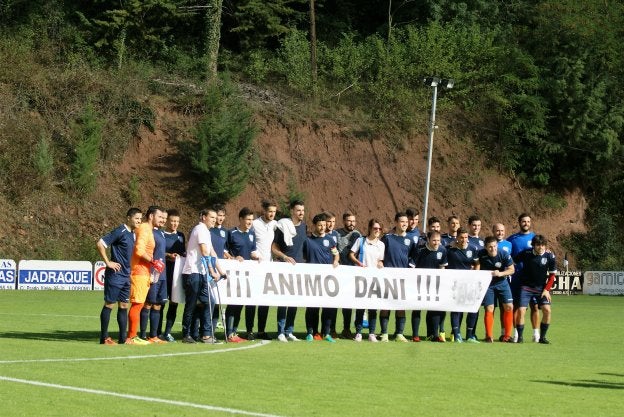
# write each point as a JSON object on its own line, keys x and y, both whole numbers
{"x": 515, "y": 336}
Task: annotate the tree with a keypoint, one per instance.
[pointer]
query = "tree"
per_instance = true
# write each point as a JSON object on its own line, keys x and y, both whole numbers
{"x": 213, "y": 38}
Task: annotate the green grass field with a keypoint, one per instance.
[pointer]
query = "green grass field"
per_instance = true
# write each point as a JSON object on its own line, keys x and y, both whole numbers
{"x": 52, "y": 365}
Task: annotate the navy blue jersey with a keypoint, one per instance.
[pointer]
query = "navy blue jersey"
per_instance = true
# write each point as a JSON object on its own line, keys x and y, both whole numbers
{"x": 519, "y": 243}
{"x": 219, "y": 239}
{"x": 461, "y": 258}
{"x": 121, "y": 244}
{"x": 346, "y": 239}
{"x": 334, "y": 235}
{"x": 447, "y": 240}
{"x": 296, "y": 250}
{"x": 414, "y": 233}
{"x": 536, "y": 268}
{"x": 241, "y": 243}
{"x": 476, "y": 242}
{"x": 500, "y": 262}
{"x": 433, "y": 259}
{"x": 399, "y": 250}
{"x": 176, "y": 243}
{"x": 318, "y": 250}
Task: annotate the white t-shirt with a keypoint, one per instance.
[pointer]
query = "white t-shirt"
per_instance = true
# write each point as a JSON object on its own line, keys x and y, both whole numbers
{"x": 199, "y": 235}
{"x": 265, "y": 232}
{"x": 373, "y": 251}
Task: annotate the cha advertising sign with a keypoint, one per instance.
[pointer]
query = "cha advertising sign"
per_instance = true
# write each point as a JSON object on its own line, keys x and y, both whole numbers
{"x": 604, "y": 282}
{"x": 568, "y": 283}
{"x": 7, "y": 274}
{"x": 55, "y": 275}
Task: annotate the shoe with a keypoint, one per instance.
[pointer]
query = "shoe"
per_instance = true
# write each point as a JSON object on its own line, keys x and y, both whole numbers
{"x": 188, "y": 339}
{"x": 210, "y": 340}
{"x": 535, "y": 338}
{"x": 309, "y": 338}
{"x": 282, "y": 338}
{"x": 234, "y": 338}
{"x": 168, "y": 338}
{"x": 334, "y": 334}
{"x": 263, "y": 336}
{"x": 384, "y": 337}
{"x": 472, "y": 340}
{"x": 400, "y": 338}
{"x": 329, "y": 338}
{"x": 108, "y": 341}
{"x": 443, "y": 335}
{"x": 155, "y": 340}
{"x": 415, "y": 339}
{"x": 358, "y": 337}
{"x": 489, "y": 340}
{"x": 136, "y": 340}
{"x": 544, "y": 341}
{"x": 292, "y": 338}
{"x": 346, "y": 334}
{"x": 430, "y": 339}
{"x": 520, "y": 340}
{"x": 441, "y": 339}
{"x": 372, "y": 338}
{"x": 501, "y": 338}
{"x": 452, "y": 337}
{"x": 318, "y": 336}
{"x": 250, "y": 336}
{"x": 458, "y": 339}
{"x": 506, "y": 339}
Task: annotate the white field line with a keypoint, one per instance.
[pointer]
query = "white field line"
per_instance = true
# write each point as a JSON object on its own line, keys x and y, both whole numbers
{"x": 137, "y": 397}
{"x": 47, "y": 315}
{"x": 159, "y": 355}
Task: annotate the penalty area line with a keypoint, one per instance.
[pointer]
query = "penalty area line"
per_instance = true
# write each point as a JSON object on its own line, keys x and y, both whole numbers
{"x": 136, "y": 397}
{"x": 159, "y": 355}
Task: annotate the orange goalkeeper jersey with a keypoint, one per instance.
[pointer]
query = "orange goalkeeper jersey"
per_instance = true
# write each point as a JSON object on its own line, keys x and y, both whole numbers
{"x": 144, "y": 245}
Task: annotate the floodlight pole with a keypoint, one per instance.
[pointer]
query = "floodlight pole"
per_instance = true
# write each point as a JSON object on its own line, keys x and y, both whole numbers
{"x": 432, "y": 126}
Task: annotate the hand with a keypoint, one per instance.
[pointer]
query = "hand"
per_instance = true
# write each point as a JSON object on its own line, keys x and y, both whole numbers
{"x": 114, "y": 266}
{"x": 158, "y": 265}
{"x": 547, "y": 295}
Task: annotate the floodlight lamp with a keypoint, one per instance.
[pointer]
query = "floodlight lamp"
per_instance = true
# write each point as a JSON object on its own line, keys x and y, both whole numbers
{"x": 431, "y": 81}
{"x": 447, "y": 83}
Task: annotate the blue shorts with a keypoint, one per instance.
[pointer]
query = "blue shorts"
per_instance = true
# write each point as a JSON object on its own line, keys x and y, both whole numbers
{"x": 157, "y": 293}
{"x": 532, "y": 295}
{"x": 117, "y": 290}
{"x": 498, "y": 291}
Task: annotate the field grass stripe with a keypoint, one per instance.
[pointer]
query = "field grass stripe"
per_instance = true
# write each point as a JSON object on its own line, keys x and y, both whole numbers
{"x": 160, "y": 355}
{"x": 137, "y": 397}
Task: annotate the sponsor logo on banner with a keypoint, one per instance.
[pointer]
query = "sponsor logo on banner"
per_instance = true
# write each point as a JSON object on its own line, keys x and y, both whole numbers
{"x": 568, "y": 283}
{"x": 7, "y": 274}
{"x": 55, "y": 275}
{"x": 98, "y": 275}
{"x": 604, "y": 282}
{"x": 312, "y": 285}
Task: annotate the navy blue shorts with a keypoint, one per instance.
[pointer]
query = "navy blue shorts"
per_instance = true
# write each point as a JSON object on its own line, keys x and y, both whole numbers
{"x": 498, "y": 291}
{"x": 116, "y": 290}
{"x": 532, "y": 295}
{"x": 157, "y": 293}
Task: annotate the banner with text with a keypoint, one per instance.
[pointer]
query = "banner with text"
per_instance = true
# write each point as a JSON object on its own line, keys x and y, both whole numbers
{"x": 7, "y": 274}
{"x": 604, "y": 282}
{"x": 55, "y": 275}
{"x": 568, "y": 283}
{"x": 313, "y": 285}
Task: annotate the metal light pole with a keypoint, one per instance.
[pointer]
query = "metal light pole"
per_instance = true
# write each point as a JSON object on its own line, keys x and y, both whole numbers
{"x": 432, "y": 82}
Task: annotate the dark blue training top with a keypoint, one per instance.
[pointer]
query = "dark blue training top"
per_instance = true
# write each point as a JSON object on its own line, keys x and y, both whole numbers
{"x": 241, "y": 243}
{"x": 461, "y": 258}
{"x": 536, "y": 268}
{"x": 399, "y": 250}
{"x": 121, "y": 243}
{"x": 318, "y": 250}
{"x": 296, "y": 250}
{"x": 434, "y": 259}
{"x": 219, "y": 238}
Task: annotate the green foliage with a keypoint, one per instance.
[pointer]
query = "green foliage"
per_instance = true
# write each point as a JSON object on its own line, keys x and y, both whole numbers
{"x": 221, "y": 153}
{"x": 88, "y": 131}
{"x": 294, "y": 193}
{"x": 43, "y": 158}
{"x": 293, "y": 61}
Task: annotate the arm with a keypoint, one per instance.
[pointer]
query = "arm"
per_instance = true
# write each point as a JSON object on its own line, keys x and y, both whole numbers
{"x": 101, "y": 248}
{"x": 281, "y": 255}
{"x": 354, "y": 259}
{"x": 506, "y": 272}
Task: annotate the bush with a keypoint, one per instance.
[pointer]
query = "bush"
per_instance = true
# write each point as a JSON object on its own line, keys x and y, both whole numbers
{"x": 88, "y": 132}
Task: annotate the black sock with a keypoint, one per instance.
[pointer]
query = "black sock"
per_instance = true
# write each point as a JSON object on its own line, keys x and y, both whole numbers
{"x": 104, "y": 321}
{"x": 122, "y": 321}
{"x": 143, "y": 326}
{"x": 154, "y": 318}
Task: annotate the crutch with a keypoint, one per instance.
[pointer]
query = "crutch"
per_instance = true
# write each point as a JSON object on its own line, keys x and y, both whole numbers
{"x": 221, "y": 311}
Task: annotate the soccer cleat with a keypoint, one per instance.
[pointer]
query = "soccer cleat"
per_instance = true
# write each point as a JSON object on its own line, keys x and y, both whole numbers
{"x": 372, "y": 338}
{"x": 292, "y": 338}
{"x": 358, "y": 337}
{"x": 443, "y": 335}
{"x": 329, "y": 338}
{"x": 415, "y": 339}
{"x": 136, "y": 340}
{"x": 282, "y": 338}
{"x": 234, "y": 338}
{"x": 309, "y": 338}
{"x": 263, "y": 336}
{"x": 489, "y": 340}
{"x": 430, "y": 338}
{"x": 188, "y": 339}
{"x": 346, "y": 334}
{"x": 155, "y": 340}
{"x": 535, "y": 338}
{"x": 458, "y": 339}
{"x": 250, "y": 336}
{"x": 169, "y": 338}
{"x": 108, "y": 341}
{"x": 544, "y": 341}
{"x": 384, "y": 337}
{"x": 472, "y": 340}
{"x": 506, "y": 339}
{"x": 400, "y": 338}
{"x": 210, "y": 340}
{"x": 501, "y": 338}
{"x": 519, "y": 340}
{"x": 318, "y": 336}
{"x": 441, "y": 339}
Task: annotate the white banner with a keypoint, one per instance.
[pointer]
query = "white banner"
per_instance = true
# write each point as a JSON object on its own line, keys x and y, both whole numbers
{"x": 312, "y": 285}
{"x": 177, "y": 291}
{"x": 7, "y": 274}
{"x": 55, "y": 275}
{"x": 604, "y": 282}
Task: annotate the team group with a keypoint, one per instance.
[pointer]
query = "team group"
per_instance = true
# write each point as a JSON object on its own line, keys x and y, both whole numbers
{"x": 140, "y": 257}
